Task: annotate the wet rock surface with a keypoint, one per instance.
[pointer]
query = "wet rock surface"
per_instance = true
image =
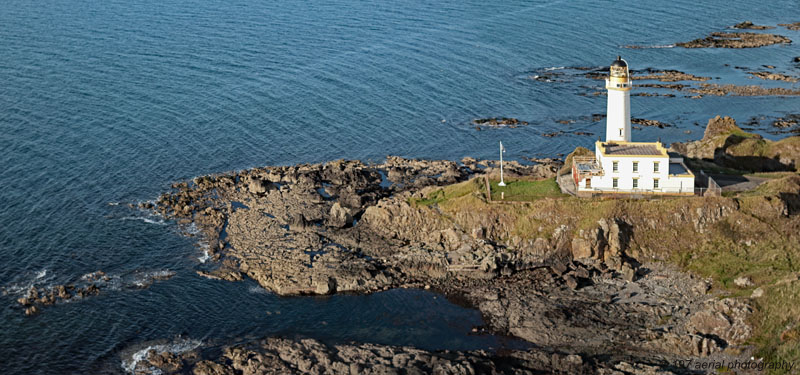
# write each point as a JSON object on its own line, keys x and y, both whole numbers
{"x": 748, "y": 90}
{"x": 790, "y": 121}
{"x": 91, "y": 284}
{"x": 751, "y": 26}
{"x": 736, "y": 40}
{"x": 791, "y": 26}
{"x": 646, "y": 122}
{"x": 498, "y": 122}
{"x": 774, "y": 76}
{"x": 308, "y": 356}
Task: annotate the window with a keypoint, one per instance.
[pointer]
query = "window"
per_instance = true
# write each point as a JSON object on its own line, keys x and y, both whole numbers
{"x": 635, "y": 166}
{"x": 615, "y": 183}
{"x": 615, "y": 166}
{"x": 655, "y": 167}
{"x": 588, "y": 183}
{"x": 635, "y": 183}
{"x": 620, "y": 132}
{"x": 655, "y": 182}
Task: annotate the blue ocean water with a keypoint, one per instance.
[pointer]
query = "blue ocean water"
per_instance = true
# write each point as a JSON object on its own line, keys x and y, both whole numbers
{"x": 110, "y": 102}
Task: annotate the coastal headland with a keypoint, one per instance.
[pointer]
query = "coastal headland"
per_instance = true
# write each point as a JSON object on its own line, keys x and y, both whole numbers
{"x": 661, "y": 285}
{"x": 596, "y": 286}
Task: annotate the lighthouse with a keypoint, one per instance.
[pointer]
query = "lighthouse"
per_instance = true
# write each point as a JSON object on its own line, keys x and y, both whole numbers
{"x": 618, "y": 120}
{"x": 620, "y": 166}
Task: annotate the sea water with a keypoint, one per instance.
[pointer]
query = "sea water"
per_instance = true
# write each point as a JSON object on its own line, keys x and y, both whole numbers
{"x": 105, "y": 103}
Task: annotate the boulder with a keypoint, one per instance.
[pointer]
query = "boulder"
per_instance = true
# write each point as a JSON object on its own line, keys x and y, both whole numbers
{"x": 167, "y": 362}
{"x": 258, "y": 186}
{"x": 324, "y": 285}
{"x": 211, "y": 368}
{"x": 339, "y": 217}
{"x": 726, "y": 319}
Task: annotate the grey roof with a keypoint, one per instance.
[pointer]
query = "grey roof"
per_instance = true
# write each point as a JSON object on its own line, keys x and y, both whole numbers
{"x": 587, "y": 166}
{"x": 677, "y": 168}
{"x": 631, "y": 149}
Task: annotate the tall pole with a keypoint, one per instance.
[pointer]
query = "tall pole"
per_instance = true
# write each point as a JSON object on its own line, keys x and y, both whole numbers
{"x": 502, "y": 150}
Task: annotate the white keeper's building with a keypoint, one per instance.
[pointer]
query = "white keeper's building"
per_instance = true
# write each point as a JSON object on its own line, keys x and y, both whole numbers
{"x": 622, "y": 166}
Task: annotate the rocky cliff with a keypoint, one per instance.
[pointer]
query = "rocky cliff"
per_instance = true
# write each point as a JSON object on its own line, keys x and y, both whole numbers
{"x": 577, "y": 277}
{"x": 726, "y": 144}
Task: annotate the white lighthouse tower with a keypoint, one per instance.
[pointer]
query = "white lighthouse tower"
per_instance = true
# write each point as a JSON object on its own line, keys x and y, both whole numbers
{"x": 620, "y": 166}
{"x": 618, "y": 84}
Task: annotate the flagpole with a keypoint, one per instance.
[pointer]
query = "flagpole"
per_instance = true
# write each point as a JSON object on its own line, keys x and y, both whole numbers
{"x": 501, "y": 165}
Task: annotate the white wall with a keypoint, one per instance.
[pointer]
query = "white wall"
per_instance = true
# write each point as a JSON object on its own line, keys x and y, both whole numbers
{"x": 619, "y": 116}
{"x": 645, "y": 175}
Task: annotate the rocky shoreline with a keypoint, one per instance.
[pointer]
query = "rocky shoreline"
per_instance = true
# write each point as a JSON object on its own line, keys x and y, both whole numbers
{"x": 590, "y": 295}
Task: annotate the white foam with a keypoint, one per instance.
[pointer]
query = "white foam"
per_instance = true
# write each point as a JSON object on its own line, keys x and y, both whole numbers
{"x": 22, "y": 287}
{"x": 178, "y": 347}
{"x": 553, "y": 68}
{"x": 654, "y": 46}
{"x": 145, "y": 279}
{"x": 146, "y": 220}
{"x": 257, "y": 290}
{"x": 41, "y": 274}
{"x": 192, "y": 229}
{"x": 163, "y": 274}
{"x": 205, "y": 257}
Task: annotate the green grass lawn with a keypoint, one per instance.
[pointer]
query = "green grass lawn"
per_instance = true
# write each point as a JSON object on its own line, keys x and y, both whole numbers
{"x": 524, "y": 190}
{"x": 446, "y": 193}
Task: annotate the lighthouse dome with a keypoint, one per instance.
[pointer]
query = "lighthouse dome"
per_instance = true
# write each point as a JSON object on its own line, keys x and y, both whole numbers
{"x": 619, "y": 69}
{"x": 619, "y": 63}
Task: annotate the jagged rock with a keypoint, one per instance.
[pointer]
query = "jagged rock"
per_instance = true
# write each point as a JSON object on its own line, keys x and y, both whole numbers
{"x": 628, "y": 272}
{"x": 726, "y": 319}
{"x": 166, "y": 361}
{"x": 339, "y": 216}
{"x": 720, "y": 125}
{"x": 298, "y": 222}
{"x": 211, "y": 368}
{"x": 307, "y": 356}
{"x": 727, "y": 145}
{"x": 571, "y": 281}
{"x": 751, "y": 25}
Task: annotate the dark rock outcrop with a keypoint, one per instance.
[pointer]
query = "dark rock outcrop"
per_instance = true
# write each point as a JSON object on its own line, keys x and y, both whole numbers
{"x": 308, "y": 356}
{"x": 735, "y": 40}
{"x": 727, "y": 145}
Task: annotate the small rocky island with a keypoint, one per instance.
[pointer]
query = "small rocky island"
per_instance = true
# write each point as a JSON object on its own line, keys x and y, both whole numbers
{"x": 596, "y": 286}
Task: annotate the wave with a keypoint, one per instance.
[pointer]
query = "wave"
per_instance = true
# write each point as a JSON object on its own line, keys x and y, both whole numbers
{"x": 257, "y": 290}
{"x": 26, "y": 283}
{"x": 178, "y": 347}
{"x": 205, "y": 257}
{"x": 146, "y": 220}
{"x": 654, "y": 46}
{"x": 145, "y": 279}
